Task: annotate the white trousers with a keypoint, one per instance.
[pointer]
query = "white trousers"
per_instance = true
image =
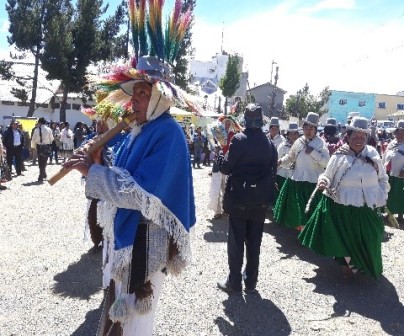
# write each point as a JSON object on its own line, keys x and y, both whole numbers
{"x": 142, "y": 325}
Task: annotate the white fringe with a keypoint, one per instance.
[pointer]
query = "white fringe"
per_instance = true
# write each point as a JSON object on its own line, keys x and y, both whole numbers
{"x": 153, "y": 209}
{"x": 120, "y": 310}
{"x": 143, "y": 306}
{"x": 121, "y": 261}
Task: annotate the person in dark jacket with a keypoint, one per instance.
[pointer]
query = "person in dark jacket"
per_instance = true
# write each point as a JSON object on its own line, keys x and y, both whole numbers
{"x": 250, "y": 164}
{"x": 13, "y": 140}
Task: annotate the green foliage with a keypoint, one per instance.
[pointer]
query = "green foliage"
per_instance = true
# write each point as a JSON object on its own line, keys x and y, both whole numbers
{"x": 181, "y": 62}
{"x": 20, "y": 94}
{"x": 303, "y": 102}
{"x": 230, "y": 82}
{"x": 6, "y": 70}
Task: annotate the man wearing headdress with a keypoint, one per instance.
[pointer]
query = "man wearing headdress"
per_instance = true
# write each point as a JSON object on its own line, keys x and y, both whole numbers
{"x": 223, "y": 134}
{"x": 146, "y": 197}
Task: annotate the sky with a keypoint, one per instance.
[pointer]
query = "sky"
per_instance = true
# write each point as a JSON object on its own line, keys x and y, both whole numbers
{"x": 348, "y": 45}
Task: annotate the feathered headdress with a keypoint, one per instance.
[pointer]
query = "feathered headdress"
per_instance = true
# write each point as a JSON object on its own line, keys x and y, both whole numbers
{"x": 154, "y": 53}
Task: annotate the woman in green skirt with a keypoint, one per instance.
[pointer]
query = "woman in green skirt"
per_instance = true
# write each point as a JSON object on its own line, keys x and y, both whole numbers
{"x": 346, "y": 224}
{"x": 394, "y": 159}
{"x": 292, "y": 134}
{"x": 307, "y": 159}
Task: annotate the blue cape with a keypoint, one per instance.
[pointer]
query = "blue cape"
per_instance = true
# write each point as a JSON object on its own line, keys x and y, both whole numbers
{"x": 158, "y": 160}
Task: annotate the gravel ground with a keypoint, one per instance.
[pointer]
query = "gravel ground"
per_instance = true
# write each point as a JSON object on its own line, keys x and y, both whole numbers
{"x": 50, "y": 279}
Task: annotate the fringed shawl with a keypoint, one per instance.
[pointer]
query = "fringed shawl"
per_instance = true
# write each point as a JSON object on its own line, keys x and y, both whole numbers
{"x": 159, "y": 164}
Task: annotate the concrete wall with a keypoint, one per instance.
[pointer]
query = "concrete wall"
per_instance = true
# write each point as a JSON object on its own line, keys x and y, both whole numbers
{"x": 390, "y": 105}
{"x": 342, "y": 102}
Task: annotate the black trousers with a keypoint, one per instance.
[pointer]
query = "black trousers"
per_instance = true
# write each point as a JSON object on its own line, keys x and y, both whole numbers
{"x": 42, "y": 161}
{"x": 249, "y": 232}
{"x": 14, "y": 152}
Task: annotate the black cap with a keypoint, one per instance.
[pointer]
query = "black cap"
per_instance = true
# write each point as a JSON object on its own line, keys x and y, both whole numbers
{"x": 42, "y": 120}
{"x": 253, "y": 116}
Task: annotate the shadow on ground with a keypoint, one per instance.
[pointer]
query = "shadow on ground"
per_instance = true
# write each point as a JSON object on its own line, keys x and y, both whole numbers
{"x": 376, "y": 300}
{"x": 90, "y": 325}
{"x": 81, "y": 279}
{"x": 253, "y": 316}
{"x": 218, "y": 230}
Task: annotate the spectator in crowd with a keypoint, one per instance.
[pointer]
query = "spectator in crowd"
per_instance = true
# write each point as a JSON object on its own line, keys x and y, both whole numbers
{"x": 13, "y": 140}
{"x": 330, "y": 136}
{"x": 2, "y": 153}
{"x": 67, "y": 140}
{"x": 198, "y": 140}
{"x": 42, "y": 140}
{"x": 56, "y": 143}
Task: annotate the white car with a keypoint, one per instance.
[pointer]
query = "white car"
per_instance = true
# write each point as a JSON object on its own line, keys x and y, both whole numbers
{"x": 388, "y": 125}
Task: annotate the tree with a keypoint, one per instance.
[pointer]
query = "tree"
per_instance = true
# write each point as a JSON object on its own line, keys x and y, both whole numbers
{"x": 303, "y": 102}
{"x": 27, "y": 21}
{"x": 230, "y": 82}
{"x": 77, "y": 37}
{"x": 181, "y": 61}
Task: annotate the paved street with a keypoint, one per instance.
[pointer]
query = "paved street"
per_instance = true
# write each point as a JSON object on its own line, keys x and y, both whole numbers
{"x": 50, "y": 281}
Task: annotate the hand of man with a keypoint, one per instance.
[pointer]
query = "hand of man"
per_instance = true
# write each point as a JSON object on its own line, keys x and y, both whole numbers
{"x": 80, "y": 161}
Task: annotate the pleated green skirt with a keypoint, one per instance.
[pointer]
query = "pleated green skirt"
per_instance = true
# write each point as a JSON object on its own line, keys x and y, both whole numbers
{"x": 280, "y": 180}
{"x": 291, "y": 203}
{"x": 395, "y": 201}
{"x": 346, "y": 231}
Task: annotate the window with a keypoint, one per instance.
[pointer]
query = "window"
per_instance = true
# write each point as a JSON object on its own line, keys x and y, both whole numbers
{"x": 7, "y": 102}
{"x": 342, "y": 101}
{"x": 56, "y": 105}
{"x": 42, "y": 105}
{"x": 22, "y": 104}
{"x": 76, "y": 107}
{"x": 400, "y": 106}
{"x": 362, "y": 103}
{"x": 382, "y": 105}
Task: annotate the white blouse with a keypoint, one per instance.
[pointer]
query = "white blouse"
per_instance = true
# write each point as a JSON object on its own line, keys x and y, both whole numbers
{"x": 284, "y": 149}
{"x": 392, "y": 155}
{"x": 352, "y": 181}
{"x": 306, "y": 167}
{"x": 277, "y": 140}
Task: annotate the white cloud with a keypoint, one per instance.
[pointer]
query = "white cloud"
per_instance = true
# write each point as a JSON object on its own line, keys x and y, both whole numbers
{"x": 318, "y": 51}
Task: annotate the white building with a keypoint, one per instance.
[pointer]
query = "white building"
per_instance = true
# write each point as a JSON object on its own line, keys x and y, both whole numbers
{"x": 48, "y": 98}
{"x": 205, "y": 78}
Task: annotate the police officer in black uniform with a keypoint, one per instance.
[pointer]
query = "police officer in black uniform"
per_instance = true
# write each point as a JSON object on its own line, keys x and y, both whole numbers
{"x": 251, "y": 168}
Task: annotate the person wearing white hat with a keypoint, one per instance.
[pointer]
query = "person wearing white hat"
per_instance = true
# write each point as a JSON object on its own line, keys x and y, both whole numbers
{"x": 346, "y": 224}
{"x": 274, "y": 132}
{"x": 292, "y": 134}
{"x": 394, "y": 159}
{"x": 307, "y": 158}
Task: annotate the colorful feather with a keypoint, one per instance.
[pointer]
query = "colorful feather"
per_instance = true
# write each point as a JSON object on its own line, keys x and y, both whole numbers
{"x": 134, "y": 25}
{"x": 142, "y": 29}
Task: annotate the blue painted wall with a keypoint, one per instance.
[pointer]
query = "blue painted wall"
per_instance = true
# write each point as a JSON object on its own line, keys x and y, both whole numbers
{"x": 354, "y": 101}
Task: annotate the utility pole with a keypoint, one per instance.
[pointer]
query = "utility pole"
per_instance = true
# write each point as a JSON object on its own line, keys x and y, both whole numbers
{"x": 272, "y": 107}
{"x": 272, "y": 69}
